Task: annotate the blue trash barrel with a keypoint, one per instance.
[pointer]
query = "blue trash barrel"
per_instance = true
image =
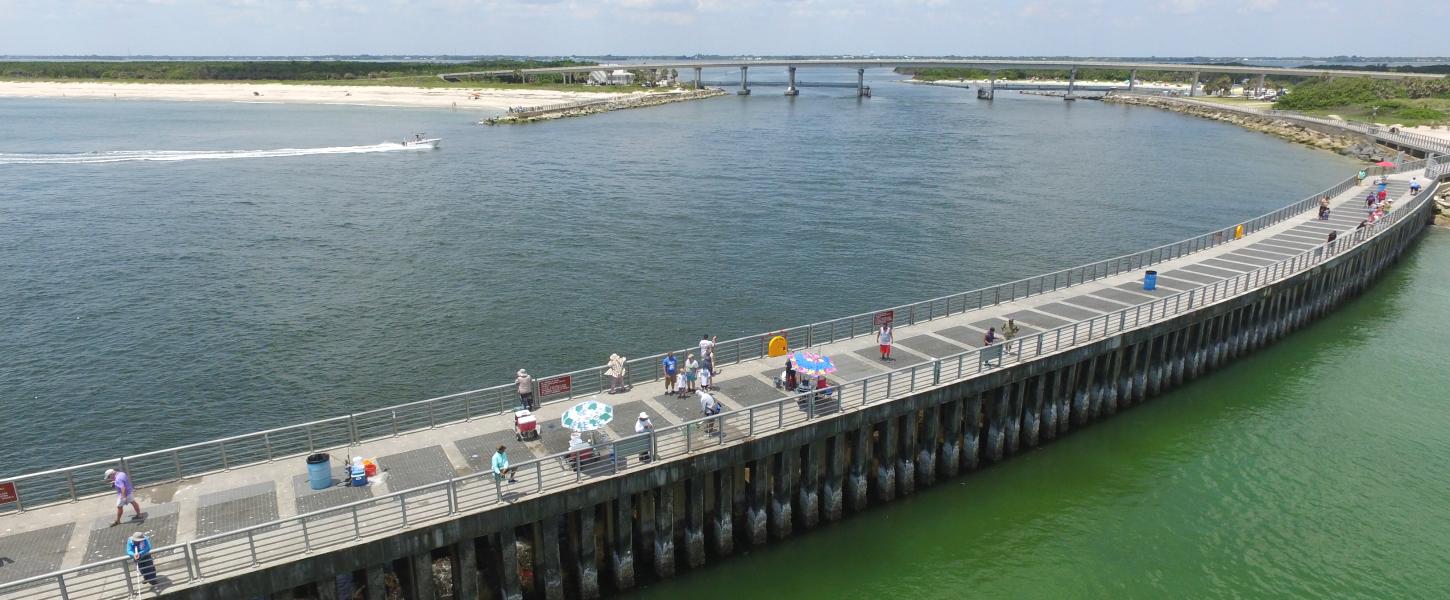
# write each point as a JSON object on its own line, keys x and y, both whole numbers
{"x": 1150, "y": 280}
{"x": 319, "y": 471}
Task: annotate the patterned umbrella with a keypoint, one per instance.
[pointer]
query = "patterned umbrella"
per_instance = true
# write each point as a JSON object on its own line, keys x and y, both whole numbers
{"x": 812, "y": 364}
{"x": 588, "y": 416}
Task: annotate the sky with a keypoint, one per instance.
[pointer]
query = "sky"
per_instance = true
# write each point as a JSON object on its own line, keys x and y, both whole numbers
{"x": 1224, "y": 28}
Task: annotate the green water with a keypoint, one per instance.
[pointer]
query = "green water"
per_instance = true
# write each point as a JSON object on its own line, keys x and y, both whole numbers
{"x": 1316, "y": 468}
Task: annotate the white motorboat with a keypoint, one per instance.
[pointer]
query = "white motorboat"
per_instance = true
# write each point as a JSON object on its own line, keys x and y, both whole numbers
{"x": 419, "y": 141}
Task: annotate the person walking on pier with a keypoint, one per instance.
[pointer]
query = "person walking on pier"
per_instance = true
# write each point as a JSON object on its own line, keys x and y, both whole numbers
{"x": 501, "y": 468}
{"x": 138, "y": 547}
{"x": 526, "y": 390}
{"x": 1009, "y": 331}
{"x": 1324, "y": 208}
{"x": 990, "y": 338}
{"x": 884, "y": 338}
{"x": 1329, "y": 243}
{"x": 1362, "y": 174}
{"x": 671, "y": 369}
{"x": 124, "y": 494}
{"x": 616, "y": 373}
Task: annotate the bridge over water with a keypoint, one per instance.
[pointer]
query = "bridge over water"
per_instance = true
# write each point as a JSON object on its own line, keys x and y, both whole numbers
{"x": 235, "y": 517}
{"x": 990, "y": 65}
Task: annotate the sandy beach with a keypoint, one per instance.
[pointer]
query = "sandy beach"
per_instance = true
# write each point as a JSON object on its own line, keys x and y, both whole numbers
{"x": 490, "y": 100}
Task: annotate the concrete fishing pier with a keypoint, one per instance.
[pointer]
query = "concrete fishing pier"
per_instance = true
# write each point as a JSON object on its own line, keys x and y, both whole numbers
{"x": 234, "y": 517}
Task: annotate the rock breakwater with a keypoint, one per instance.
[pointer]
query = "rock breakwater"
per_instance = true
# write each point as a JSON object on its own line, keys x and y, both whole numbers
{"x": 1348, "y": 144}
{"x": 589, "y": 108}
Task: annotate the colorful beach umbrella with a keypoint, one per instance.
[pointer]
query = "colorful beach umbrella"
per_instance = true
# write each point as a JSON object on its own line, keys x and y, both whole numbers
{"x": 1384, "y": 163}
{"x": 588, "y": 416}
{"x": 812, "y": 364}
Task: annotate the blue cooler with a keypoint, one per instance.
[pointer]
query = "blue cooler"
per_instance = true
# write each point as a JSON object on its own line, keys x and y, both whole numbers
{"x": 1150, "y": 280}
{"x": 359, "y": 476}
{"x": 319, "y": 471}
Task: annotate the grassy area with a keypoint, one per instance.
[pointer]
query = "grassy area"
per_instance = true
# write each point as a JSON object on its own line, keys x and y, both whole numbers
{"x": 1410, "y": 113}
{"x": 1422, "y": 102}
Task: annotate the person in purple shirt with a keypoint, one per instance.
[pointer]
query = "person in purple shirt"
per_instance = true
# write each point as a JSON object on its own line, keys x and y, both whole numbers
{"x": 124, "y": 494}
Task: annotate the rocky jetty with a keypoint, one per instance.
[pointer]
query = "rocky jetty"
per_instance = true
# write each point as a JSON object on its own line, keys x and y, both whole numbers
{"x": 1348, "y": 144}
{"x": 590, "y": 108}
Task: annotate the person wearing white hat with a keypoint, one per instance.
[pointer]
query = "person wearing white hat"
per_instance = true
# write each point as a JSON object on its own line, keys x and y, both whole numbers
{"x": 526, "y": 390}
{"x": 644, "y": 425}
{"x": 125, "y": 494}
{"x": 138, "y": 547}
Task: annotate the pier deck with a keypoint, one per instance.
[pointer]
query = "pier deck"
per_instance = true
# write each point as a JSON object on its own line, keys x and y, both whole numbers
{"x": 48, "y": 538}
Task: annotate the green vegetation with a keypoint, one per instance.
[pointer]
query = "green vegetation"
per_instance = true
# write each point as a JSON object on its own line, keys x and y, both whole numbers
{"x": 352, "y": 72}
{"x": 1412, "y": 102}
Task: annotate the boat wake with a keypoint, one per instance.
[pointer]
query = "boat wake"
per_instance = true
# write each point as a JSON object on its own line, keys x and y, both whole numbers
{"x": 81, "y": 158}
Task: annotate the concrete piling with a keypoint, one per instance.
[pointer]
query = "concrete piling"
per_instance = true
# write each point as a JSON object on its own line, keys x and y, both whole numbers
{"x": 695, "y": 522}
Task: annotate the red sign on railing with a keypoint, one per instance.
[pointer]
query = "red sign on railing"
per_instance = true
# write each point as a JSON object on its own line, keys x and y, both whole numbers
{"x": 884, "y": 317}
{"x": 555, "y": 386}
{"x": 7, "y": 493}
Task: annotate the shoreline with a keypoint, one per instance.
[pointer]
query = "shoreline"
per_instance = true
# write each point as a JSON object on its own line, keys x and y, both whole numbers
{"x": 461, "y": 98}
{"x": 1345, "y": 144}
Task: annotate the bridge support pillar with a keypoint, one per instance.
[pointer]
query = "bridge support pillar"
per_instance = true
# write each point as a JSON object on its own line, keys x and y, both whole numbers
{"x": 327, "y": 588}
{"x": 588, "y": 573}
{"x": 376, "y": 588}
{"x": 808, "y": 498}
{"x": 951, "y": 444}
{"x": 782, "y": 491}
{"x": 623, "y": 533}
{"x": 992, "y": 86}
{"x": 1071, "y": 84}
{"x": 1259, "y": 88}
{"x": 1193, "y": 85}
{"x": 744, "y": 82}
{"x": 695, "y": 522}
{"x": 697, "y": 78}
{"x": 664, "y": 538}
{"x": 790, "y": 89}
{"x": 724, "y": 528}
{"x": 422, "y": 567}
{"x": 886, "y": 461}
{"x": 1132, "y": 79}
{"x": 757, "y": 497}
{"x": 856, "y": 486}
{"x": 832, "y": 497}
{"x": 927, "y": 449}
{"x": 465, "y": 569}
{"x": 508, "y": 550}
{"x": 553, "y": 571}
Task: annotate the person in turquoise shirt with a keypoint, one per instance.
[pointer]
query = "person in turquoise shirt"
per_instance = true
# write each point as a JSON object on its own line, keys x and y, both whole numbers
{"x": 501, "y": 468}
{"x": 138, "y": 547}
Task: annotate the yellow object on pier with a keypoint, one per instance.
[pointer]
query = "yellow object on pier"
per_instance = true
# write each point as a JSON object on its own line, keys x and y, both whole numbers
{"x": 777, "y": 346}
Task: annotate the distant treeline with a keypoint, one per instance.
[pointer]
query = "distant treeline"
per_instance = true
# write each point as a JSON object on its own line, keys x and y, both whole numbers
{"x": 251, "y": 70}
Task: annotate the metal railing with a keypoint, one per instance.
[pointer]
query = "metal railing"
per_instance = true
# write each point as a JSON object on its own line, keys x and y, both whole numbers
{"x": 72, "y": 483}
{"x": 261, "y": 545}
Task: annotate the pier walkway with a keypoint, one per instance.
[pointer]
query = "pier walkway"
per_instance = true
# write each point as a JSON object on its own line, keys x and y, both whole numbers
{"x": 233, "y": 519}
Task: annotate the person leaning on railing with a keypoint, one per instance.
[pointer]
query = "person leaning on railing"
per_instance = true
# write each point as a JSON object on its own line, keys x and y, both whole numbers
{"x": 138, "y": 547}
